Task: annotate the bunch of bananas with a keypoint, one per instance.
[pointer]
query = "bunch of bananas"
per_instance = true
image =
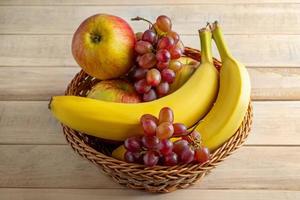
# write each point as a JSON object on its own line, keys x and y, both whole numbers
{"x": 216, "y": 101}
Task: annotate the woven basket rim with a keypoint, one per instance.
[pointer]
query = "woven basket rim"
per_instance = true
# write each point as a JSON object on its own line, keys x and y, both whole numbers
{"x": 115, "y": 167}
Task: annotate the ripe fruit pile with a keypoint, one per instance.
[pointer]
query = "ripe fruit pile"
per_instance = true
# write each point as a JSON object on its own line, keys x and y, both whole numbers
{"x": 156, "y": 146}
{"x": 206, "y": 97}
{"x": 158, "y": 49}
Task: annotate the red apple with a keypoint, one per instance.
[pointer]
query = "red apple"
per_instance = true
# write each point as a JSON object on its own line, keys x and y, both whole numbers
{"x": 117, "y": 90}
{"x": 103, "y": 45}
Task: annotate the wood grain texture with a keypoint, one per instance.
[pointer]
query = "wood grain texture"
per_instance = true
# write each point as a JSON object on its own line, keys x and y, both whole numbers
{"x": 30, "y": 122}
{"x": 36, "y": 63}
{"x": 235, "y": 18}
{"x": 44, "y": 166}
{"x": 55, "y": 50}
{"x": 34, "y": 83}
{"x": 135, "y": 2}
{"x": 125, "y": 194}
{"x": 40, "y": 83}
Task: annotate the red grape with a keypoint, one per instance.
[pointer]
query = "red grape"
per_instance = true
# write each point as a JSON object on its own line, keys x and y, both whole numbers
{"x": 132, "y": 144}
{"x": 129, "y": 156}
{"x": 180, "y": 145}
{"x": 153, "y": 77}
{"x": 138, "y": 58}
{"x": 150, "y": 142}
{"x": 175, "y": 52}
{"x": 147, "y": 60}
{"x": 149, "y": 116}
{"x": 163, "y": 55}
{"x": 165, "y": 130}
{"x": 149, "y": 127}
{"x": 180, "y": 46}
{"x": 171, "y": 159}
{"x": 149, "y": 96}
{"x": 179, "y": 129}
{"x": 166, "y": 147}
{"x": 162, "y": 65}
{"x": 139, "y": 35}
{"x": 141, "y": 86}
{"x": 150, "y": 158}
{"x": 164, "y": 23}
{"x": 163, "y": 88}
{"x": 166, "y": 115}
{"x": 195, "y": 135}
{"x": 175, "y": 65}
{"x": 174, "y": 35}
{"x": 149, "y": 36}
{"x": 165, "y": 43}
{"x": 138, "y": 157}
{"x": 202, "y": 155}
{"x": 142, "y": 47}
{"x": 168, "y": 75}
{"x": 139, "y": 73}
{"x": 187, "y": 155}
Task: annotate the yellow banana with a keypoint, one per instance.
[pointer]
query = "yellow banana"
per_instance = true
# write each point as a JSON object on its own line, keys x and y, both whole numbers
{"x": 119, "y": 153}
{"x": 118, "y": 121}
{"x": 189, "y": 66}
{"x": 233, "y": 99}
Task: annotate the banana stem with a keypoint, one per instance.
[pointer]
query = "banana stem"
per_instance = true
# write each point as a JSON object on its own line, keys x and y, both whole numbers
{"x": 206, "y": 50}
{"x": 220, "y": 42}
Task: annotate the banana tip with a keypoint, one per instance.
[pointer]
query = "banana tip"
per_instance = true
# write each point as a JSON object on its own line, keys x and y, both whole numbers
{"x": 214, "y": 25}
{"x": 49, "y": 104}
{"x": 206, "y": 28}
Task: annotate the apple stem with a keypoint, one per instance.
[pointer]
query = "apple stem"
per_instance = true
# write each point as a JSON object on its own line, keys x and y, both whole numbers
{"x": 95, "y": 38}
{"x": 141, "y": 18}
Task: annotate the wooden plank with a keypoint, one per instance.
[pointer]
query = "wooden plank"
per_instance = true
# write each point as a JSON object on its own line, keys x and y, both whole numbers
{"x": 134, "y": 2}
{"x": 30, "y": 122}
{"x": 126, "y": 194}
{"x": 34, "y": 83}
{"x": 44, "y": 166}
{"x": 40, "y": 83}
{"x": 275, "y": 123}
{"x": 235, "y": 18}
{"x": 55, "y": 50}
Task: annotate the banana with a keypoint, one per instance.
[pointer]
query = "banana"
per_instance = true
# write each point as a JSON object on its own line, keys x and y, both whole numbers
{"x": 118, "y": 121}
{"x": 232, "y": 102}
{"x": 119, "y": 153}
{"x": 189, "y": 65}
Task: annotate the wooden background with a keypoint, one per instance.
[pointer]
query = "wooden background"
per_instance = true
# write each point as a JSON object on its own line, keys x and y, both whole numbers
{"x": 36, "y": 63}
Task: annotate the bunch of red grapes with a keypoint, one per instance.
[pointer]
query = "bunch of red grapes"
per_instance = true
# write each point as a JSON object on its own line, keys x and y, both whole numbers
{"x": 155, "y": 147}
{"x": 158, "y": 49}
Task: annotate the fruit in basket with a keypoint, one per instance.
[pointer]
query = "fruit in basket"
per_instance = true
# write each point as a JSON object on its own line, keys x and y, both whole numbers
{"x": 232, "y": 102}
{"x": 189, "y": 61}
{"x": 117, "y": 90}
{"x": 119, "y": 153}
{"x": 158, "y": 48}
{"x": 152, "y": 148}
{"x": 103, "y": 45}
{"x": 189, "y": 103}
{"x": 187, "y": 69}
{"x": 164, "y": 23}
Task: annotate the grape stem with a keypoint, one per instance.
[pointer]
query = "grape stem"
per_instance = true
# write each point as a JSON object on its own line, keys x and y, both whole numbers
{"x": 138, "y": 18}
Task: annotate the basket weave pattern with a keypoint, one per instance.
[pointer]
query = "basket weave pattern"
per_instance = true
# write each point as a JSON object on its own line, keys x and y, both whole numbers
{"x": 136, "y": 176}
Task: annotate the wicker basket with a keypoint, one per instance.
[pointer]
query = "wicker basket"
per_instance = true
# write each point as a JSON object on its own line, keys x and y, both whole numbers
{"x": 152, "y": 179}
